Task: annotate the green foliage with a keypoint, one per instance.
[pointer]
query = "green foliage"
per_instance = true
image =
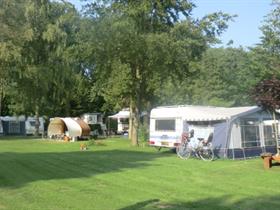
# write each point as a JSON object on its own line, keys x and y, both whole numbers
{"x": 143, "y": 134}
{"x": 137, "y": 54}
{"x": 267, "y": 94}
{"x": 223, "y": 77}
{"x": 270, "y": 29}
{"x": 140, "y": 44}
{"x": 47, "y": 78}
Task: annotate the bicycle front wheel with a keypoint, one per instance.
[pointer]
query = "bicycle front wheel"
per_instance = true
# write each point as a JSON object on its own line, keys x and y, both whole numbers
{"x": 206, "y": 153}
{"x": 183, "y": 151}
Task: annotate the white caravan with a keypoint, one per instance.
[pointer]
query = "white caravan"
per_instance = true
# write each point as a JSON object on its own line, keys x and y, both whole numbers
{"x": 167, "y": 124}
{"x": 30, "y": 125}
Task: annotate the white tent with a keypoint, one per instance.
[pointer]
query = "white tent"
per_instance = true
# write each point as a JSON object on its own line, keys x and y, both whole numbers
{"x": 121, "y": 114}
{"x": 73, "y": 128}
{"x": 122, "y": 119}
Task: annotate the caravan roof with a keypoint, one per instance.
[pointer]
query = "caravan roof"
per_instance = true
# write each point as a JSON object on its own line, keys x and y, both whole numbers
{"x": 201, "y": 113}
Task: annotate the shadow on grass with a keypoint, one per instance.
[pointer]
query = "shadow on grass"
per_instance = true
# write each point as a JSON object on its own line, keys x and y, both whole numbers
{"x": 221, "y": 203}
{"x": 17, "y": 169}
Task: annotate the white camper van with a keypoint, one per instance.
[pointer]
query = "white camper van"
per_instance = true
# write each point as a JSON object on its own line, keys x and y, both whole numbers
{"x": 30, "y": 125}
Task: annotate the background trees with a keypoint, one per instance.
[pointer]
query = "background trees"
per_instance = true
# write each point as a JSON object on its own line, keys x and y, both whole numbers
{"x": 37, "y": 49}
{"x": 140, "y": 45}
{"x": 55, "y": 61}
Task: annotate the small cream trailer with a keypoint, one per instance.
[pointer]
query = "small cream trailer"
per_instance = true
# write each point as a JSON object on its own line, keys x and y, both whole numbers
{"x": 237, "y": 132}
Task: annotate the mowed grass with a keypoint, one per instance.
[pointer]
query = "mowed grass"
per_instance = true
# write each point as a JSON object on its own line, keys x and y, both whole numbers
{"x": 41, "y": 174}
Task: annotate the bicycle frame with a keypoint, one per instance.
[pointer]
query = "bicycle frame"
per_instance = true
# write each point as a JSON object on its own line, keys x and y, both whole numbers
{"x": 202, "y": 150}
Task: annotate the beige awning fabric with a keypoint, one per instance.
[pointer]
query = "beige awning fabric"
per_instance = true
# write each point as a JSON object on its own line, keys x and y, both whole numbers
{"x": 200, "y": 113}
{"x": 56, "y": 127}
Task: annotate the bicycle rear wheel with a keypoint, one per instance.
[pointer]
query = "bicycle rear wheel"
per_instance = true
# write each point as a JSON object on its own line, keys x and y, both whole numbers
{"x": 183, "y": 151}
{"x": 206, "y": 153}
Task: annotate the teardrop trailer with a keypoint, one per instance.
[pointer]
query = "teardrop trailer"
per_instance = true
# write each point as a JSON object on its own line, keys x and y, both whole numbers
{"x": 238, "y": 132}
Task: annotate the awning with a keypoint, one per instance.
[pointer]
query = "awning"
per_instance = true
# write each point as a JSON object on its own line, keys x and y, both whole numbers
{"x": 200, "y": 113}
{"x": 120, "y": 114}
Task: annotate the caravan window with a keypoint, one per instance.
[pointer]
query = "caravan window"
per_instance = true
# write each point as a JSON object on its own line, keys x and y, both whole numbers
{"x": 165, "y": 125}
{"x": 250, "y": 132}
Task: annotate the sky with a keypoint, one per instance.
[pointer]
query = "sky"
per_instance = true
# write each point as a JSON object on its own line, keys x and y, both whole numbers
{"x": 244, "y": 31}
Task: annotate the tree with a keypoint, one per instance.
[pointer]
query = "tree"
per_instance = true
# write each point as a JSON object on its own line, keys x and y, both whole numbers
{"x": 267, "y": 95}
{"x": 225, "y": 78}
{"x": 37, "y": 38}
{"x": 268, "y": 51}
{"x": 11, "y": 34}
{"x": 138, "y": 44}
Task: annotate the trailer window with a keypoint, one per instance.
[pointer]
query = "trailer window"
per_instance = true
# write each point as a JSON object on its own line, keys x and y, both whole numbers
{"x": 165, "y": 125}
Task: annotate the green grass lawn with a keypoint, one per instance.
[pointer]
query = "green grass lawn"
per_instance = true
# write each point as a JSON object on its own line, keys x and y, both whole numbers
{"x": 41, "y": 174}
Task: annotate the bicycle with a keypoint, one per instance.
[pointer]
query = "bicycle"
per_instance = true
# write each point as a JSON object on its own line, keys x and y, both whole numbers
{"x": 202, "y": 150}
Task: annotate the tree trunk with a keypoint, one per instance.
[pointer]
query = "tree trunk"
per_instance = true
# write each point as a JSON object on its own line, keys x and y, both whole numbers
{"x": 133, "y": 123}
{"x": 1, "y": 95}
{"x": 37, "y": 121}
{"x": 130, "y": 121}
{"x": 135, "y": 126}
{"x": 276, "y": 133}
{"x": 1, "y": 99}
{"x": 135, "y": 107}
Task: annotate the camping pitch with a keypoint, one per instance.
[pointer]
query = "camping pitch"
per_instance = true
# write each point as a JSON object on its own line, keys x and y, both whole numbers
{"x": 238, "y": 132}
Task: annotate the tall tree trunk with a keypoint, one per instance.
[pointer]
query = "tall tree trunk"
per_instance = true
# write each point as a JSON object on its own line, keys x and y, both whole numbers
{"x": 37, "y": 121}
{"x": 135, "y": 126}
{"x": 276, "y": 132}
{"x": 135, "y": 107}
{"x": 130, "y": 121}
{"x": 1, "y": 94}
{"x": 1, "y": 99}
